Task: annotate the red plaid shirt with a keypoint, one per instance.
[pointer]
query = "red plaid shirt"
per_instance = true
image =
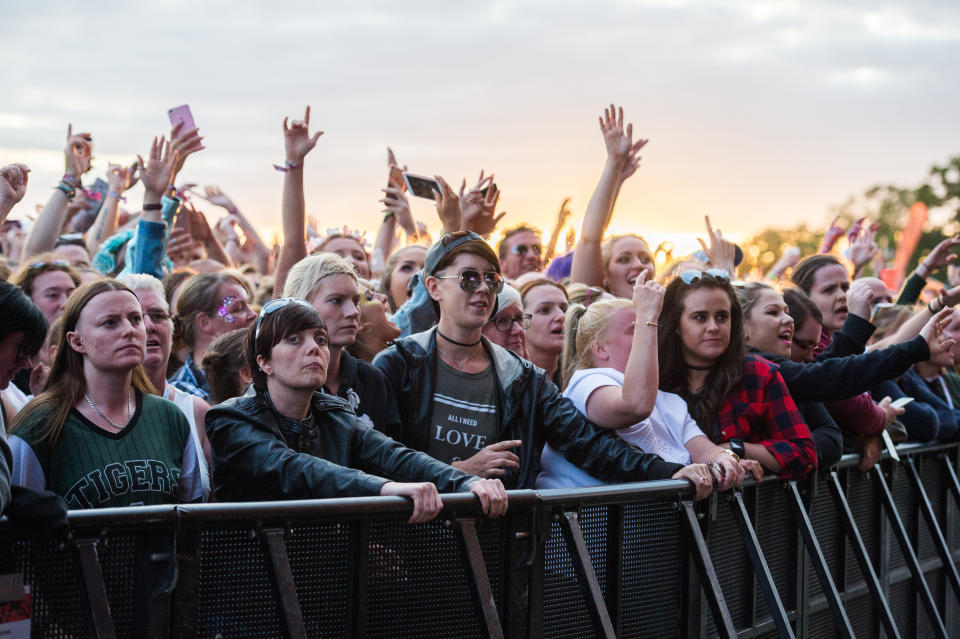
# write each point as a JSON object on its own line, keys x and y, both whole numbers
{"x": 760, "y": 410}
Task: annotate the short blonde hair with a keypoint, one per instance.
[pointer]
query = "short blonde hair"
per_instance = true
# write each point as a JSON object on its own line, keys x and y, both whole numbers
{"x": 303, "y": 278}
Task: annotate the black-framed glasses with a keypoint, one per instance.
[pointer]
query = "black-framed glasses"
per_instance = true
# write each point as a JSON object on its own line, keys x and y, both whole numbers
{"x": 694, "y": 275}
{"x": 523, "y": 249}
{"x": 276, "y": 305}
{"x": 504, "y": 323}
{"x": 470, "y": 280}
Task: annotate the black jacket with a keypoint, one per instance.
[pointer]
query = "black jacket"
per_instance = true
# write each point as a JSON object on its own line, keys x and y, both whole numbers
{"x": 260, "y": 455}
{"x": 529, "y": 408}
{"x": 368, "y": 393}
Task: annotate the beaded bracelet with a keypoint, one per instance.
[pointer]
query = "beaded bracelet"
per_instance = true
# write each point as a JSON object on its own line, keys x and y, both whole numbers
{"x": 286, "y": 166}
{"x": 68, "y": 189}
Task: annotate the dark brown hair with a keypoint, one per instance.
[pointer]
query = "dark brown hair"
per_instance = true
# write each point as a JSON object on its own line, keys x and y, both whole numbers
{"x": 222, "y": 363}
{"x": 804, "y": 271}
{"x": 727, "y": 370}
{"x": 275, "y": 327}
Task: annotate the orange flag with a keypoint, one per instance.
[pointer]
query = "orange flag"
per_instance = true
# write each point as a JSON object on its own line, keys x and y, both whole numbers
{"x": 907, "y": 243}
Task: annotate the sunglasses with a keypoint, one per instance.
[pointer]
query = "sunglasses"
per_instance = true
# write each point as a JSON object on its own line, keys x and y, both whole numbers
{"x": 63, "y": 263}
{"x": 522, "y": 249}
{"x": 470, "y": 280}
{"x": 276, "y": 305}
{"x": 504, "y": 323}
{"x": 694, "y": 275}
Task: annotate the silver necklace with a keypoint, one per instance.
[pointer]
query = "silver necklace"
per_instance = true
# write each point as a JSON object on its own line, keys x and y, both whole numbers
{"x": 112, "y": 423}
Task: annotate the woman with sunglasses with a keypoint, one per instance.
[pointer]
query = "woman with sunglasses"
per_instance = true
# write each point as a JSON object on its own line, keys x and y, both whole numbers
{"x": 612, "y": 378}
{"x": 507, "y": 328}
{"x": 284, "y": 440}
{"x": 545, "y": 301}
{"x": 740, "y": 401}
{"x": 97, "y": 435}
{"x": 208, "y": 305}
{"x": 476, "y": 405}
{"x": 330, "y": 283}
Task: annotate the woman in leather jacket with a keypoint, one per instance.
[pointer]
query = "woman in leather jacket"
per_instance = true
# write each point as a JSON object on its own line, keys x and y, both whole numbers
{"x": 284, "y": 440}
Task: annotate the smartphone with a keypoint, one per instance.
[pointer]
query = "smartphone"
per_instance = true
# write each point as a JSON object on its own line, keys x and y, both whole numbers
{"x": 96, "y": 195}
{"x": 879, "y": 307}
{"x": 900, "y": 403}
{"x": 182, "y": 114}
{"x": 421, "y": 186}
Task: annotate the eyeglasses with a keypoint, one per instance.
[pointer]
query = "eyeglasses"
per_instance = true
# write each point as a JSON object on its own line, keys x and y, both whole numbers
{"x": 158, "y": 315}
{"x": 276, "y": 305}
{"x": 521, "y": 249}
{"x": 63, "y": 263}
{"x": 694, "y": 275}
{"x": 504, "y": 323}
{"x": 470, "y": 280}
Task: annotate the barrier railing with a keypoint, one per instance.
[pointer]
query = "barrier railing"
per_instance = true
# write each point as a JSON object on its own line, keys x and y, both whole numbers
{"x": 844, "y": 554}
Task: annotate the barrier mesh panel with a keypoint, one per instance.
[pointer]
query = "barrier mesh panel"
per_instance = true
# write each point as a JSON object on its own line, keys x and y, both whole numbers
{"x": 904, "y": 498}
{"x": 932, "y": 479}
{"x": 649, "y": 601}
{"x": 860, "y": 611}
{"x": 825, "y": 517}
{"x": 236, "y": 597}
{"x": 732, "y": 567}
{"x": 418, "y": 581}
{"x": 902, "y": 600}
{"x": 50, "y": 569}
{"x": 776, "y": 532}
{"x": 564, "y": 607}
{"x": 319, "y": 561}
{"x": 821, "y": 625}
{"x": 864, "y": 500}
{"x": 935, "y": 582}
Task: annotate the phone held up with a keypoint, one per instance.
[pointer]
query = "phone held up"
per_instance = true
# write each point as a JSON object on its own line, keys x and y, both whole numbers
{"x": 421, "y": 186}
{"x": 182, "y": 114}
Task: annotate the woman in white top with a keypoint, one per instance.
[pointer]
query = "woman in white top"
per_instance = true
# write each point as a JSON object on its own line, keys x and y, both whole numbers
{"x": 159, "y": 327}
{"x": 610, "y": 372}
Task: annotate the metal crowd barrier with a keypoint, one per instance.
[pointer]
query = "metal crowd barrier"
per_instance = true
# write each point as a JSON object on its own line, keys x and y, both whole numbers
{"x": 841, "y": 555}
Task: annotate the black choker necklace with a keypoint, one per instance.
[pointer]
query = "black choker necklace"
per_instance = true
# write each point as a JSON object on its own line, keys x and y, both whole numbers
{"x": 700, "y": 368}
{"x": 453, "y": 341}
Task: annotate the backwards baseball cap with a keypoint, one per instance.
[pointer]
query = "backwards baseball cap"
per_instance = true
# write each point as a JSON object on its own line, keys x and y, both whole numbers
{"x": 452, "y": 241}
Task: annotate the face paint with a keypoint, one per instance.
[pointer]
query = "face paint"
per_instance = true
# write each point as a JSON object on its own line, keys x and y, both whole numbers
{"x": 224, "y": 309}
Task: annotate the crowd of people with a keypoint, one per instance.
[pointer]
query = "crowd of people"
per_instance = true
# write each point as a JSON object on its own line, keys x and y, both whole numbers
{"x": 150, "y": 357}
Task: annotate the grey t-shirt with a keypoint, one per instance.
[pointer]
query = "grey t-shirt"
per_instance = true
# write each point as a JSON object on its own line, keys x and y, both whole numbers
{"x": 464, "y": 418}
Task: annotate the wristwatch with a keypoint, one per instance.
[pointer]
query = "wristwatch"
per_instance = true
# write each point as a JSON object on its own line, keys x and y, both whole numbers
{"x": 736, "y": 445}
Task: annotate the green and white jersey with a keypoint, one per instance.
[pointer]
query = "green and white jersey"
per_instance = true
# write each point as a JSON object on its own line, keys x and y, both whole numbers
{"x": 151, "y": 461}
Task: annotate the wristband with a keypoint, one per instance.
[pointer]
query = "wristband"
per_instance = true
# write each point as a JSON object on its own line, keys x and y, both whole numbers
{"x": 152, "y": 207}
{"x": 69, "y": 190}
{"x": 388, "y": 215}
{"x": 925, "y": 272}
{"x": 71, "y": 180}
{"x": 116, "y": 196}
{"x": 286, "y": 166}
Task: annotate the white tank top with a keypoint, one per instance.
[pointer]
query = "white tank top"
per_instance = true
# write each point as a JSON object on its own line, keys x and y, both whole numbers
{"x": 184, "y": 401}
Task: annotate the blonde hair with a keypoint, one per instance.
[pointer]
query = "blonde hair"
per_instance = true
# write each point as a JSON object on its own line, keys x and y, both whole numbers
{"x": 304, "y": 276}
{"x": 581, "y": 327}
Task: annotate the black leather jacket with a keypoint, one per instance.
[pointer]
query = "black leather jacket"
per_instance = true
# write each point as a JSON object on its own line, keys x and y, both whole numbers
{"x": 260, "y": 455}
{"x": 530, "y": 408}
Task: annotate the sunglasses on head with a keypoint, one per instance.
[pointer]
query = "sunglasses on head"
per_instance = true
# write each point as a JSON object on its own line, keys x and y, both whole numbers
{"x": 276, "y": 305}
{"x": 63, "y": 263}
{"x": 522, "y": 249}
{"x": 470, "y": 280}
{"x": 694, "y": 275}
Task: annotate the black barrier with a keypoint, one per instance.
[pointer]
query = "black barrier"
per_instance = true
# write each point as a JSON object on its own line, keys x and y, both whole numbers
{"x": 844, "y": 554}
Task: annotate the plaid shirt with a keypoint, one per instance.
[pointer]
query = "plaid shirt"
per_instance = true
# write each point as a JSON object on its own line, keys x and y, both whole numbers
{"x": 190, "y": 379}
{"x": 760, "y": 410}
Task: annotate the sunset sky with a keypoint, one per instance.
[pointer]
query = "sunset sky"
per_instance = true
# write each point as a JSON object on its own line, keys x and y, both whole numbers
{"x": 758, "y": 113}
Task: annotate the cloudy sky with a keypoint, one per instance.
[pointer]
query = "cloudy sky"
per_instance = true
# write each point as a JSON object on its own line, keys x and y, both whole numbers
{"x": 758, "y": 113}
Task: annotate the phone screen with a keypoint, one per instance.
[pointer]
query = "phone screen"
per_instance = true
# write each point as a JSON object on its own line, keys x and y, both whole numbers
{"x": 421, "y": 186}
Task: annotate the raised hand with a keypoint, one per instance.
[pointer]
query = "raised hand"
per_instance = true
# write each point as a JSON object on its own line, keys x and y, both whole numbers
{"x": 619, "y": 142}
{"x": 478, "y": 209}
{"x": 215, "y": 196}
{"x": 721, "y": 253}
{"x": 647, "y": 300}
{"x": 78, "y": 153}
{"x": 13, "y": 183}
{"x": 831, "y": 236}
{"x": 492, "y": 461}
{"x": 862, "y": 246}
{"x": 122, "y": 178}
{"x": 563, "y": 214}
{"x": 941, "y": 255}
{"x": 932, "y": 333}
{"x": 397, "y": 203}
{"x": 448, "y": 206}
{"x": 159, "y": 170}
{"x": 297, "y": 140}
{"x": 183, "y": 144}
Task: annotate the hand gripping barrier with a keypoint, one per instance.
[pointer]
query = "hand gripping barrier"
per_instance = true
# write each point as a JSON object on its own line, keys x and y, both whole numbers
{"x": 841, "y": 555}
